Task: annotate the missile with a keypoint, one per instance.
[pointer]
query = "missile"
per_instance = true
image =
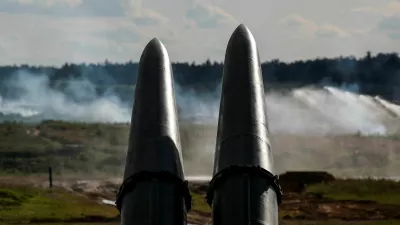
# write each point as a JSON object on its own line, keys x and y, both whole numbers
{"x": 244, "y": 189}
{"x": 154, "y": 190}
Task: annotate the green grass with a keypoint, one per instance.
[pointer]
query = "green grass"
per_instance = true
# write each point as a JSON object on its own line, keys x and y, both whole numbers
{"x": 381, "y": 191}
{"x": 69, "y": 223}
{"x": 333, "y": 222}
{"x": 199, "y": 203}
{"x": 23, "y": 205}
{"x": 18, "y": 137}
{"x": 389, "y": 222}
{"x": 27, "y": 205}
{"x": 67, "y": 147}
{"x": 14, "y": 138}
{"x": 101, "y": 148}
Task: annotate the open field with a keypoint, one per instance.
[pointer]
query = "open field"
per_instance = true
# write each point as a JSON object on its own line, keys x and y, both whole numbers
{"x": 77, "y": 151}
{"x": 336, "y": 202}
{"x": 100, "y": 149}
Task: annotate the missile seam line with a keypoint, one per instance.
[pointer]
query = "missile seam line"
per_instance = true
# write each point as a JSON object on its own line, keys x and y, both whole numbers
{"x": 130, "y": 184}
{"x": 272, "y": 180}
{"x": 266, "y": 140}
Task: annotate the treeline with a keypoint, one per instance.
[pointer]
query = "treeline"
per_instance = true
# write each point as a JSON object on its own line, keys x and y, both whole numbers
{"x": 374, "y": 75}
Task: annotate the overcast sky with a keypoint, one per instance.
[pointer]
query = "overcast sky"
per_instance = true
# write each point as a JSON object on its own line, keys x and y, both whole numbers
{"x": 52, "y": 32}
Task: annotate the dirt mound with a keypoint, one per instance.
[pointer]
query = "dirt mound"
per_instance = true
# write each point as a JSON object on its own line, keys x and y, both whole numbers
{"x": 296, "y": 181}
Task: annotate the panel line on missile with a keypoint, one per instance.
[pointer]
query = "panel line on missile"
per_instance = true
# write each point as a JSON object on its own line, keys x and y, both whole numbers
{"x": 243, "y": 190}
{"x": 154, "y": 190}
{"x": 131, "y": 182}
{"x": 233, "y": 170}
{"x": 266, "y": 140}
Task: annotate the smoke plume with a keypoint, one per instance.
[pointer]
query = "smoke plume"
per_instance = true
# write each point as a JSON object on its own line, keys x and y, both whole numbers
{"x": 303, "y": 111}
{"x": 318, "y": 110}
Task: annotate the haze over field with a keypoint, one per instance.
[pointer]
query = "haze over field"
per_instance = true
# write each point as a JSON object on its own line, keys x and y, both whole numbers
{"x": 310, "y": 110}
{"x": 68, "y": 73}
{"x": 313, "y": 123}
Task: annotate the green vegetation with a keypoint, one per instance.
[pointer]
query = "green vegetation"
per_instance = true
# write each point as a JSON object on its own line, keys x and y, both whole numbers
{"x": 381, "y": 191}
{"x": 67, "y": 147}
{"x": 365, "y": 72}
{"x": 27, "y": 205}
{"x": 90, "y": 148}
{"x": 338, "y": 222}
{"x": 199, "y": 202}
{"x": 17, "y": 139}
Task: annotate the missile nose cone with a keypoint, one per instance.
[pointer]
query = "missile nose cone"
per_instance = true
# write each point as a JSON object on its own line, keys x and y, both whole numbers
{"x": 154, "y": 49}
{"x": 153, "y": 61}
{"x": 242, "y": 54}
{"x": 243, "y": 178}
{"x": 154, "y": 191}
{"x": 242, "y": 33}
{"x": 243, "y": 121}
{"x": 154, "y": 143}
{"x": 154, "y": 91}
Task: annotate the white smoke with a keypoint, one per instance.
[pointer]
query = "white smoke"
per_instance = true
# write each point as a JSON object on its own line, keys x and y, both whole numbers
{"x": 326, "y": 110}
{"x": 36, "y": 98}
{"x": 300, "y": 111}
{"x": 197, "y": 108}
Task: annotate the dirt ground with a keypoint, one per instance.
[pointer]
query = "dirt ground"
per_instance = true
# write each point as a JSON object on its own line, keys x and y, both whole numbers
{"x": 294, "y": 207}
{"x": 311, "y": 207}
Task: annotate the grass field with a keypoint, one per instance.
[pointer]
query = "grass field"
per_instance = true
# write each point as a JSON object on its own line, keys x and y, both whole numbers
{"x": 24, "y": 204}
{"x": 101, "y": 148}
{"x": 381, "y": 191}
{"x": 79, "y": 151}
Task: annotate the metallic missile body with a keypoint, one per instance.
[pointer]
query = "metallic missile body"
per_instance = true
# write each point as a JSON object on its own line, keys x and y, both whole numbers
{"x": 244, "y": 189}
{"x": 154, "y": 190}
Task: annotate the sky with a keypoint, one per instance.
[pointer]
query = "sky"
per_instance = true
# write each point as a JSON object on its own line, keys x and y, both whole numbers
{"x": 52, "y": 32}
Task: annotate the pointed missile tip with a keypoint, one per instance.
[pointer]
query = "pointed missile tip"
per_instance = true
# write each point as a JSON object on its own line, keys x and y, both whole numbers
{"x": 240, "y": 42}
{"x": 243, "y": 30}
{"x": 241, "y": 27}
{"x": 154, "y": 52}
{"x": 242, "y": 33}
{"x": 154, "y": 46}
{"x": 154, "y": 63}
{"x": 155, "y": 41}
{"x": 241, "y": 54}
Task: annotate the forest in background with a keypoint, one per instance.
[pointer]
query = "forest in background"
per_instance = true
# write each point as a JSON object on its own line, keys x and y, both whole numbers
{"x": 372, "y": 74}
